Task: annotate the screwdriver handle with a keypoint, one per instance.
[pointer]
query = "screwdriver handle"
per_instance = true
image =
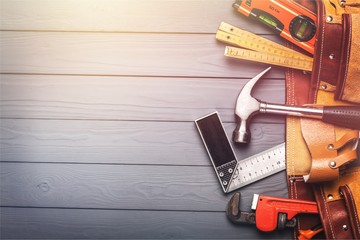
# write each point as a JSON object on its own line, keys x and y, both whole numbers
{"x": 345, "y": 116}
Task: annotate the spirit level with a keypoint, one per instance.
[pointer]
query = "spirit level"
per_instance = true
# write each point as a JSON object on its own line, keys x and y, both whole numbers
{"x": 291, "y": 20}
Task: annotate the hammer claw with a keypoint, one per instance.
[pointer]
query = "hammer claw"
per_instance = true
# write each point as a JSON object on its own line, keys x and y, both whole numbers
{"x": 246, "y": 107}
{"x": 250, "y": 84}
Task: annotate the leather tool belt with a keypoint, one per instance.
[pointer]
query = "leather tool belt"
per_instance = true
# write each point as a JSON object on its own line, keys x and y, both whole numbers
{"x": 322, "y": 159}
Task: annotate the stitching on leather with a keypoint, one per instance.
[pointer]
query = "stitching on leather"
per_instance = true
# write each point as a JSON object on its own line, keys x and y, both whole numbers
{"x": 291, "y": 134}
{"x": 293, "y": 130}
{"x": 347, "y": 59}
{"x": 354, "y": 209}
{"x": 289, "y": 130}
{"x": 292, "y": 120}
{"x": 327, "y": 213}
{"x": 292, "y": 87}
{"x": 292, "y": 78}
{"x": 292, "y": 184}
{"x": 320, "y": 63}
{"x": 287, "y": 126}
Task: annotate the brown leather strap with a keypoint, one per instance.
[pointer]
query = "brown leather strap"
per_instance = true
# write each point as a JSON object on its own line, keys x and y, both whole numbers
{"x": 334, "y": 216}
{"x": 349, "y": 137}
{"x": 327, "y": 52}
{"x": 346, "y": 192}
{"x": 297, "y": 157}
{"x": 348, "y": 87}
{"x": 298, "y": 189}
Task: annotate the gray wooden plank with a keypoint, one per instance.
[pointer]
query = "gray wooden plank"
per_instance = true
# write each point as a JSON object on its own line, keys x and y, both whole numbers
{"x": 113, "y": 142}
{"x": 189, "y": 55}
{"x": 128, "y": 98}
{"x": 45, "y": 223}
{"x": 148, "y": 175}
{"x": 102, "y": 186}
{"x": 197, "y": 16}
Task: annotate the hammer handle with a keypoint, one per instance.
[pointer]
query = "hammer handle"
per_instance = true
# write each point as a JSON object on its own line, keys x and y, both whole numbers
{"x": 345, "y": 116}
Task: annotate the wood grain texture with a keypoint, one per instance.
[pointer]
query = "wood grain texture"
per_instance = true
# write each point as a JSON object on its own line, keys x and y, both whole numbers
{"x": 120, "y": 224}
{"x": 97, "y": 106}
{"x": 124, "y": 142}
{"x": 190, "y": 16}
{"x": 185, "y": 55}
{"x": 104, "y": 186}
{"x": 128, "y": 98}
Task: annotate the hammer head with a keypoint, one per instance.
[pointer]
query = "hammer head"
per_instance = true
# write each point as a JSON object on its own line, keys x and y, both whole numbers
{"x": 246, "y": 107}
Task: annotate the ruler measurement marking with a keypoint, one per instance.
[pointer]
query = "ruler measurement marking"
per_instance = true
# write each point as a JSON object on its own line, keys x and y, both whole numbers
{"x": 259, "y": 166}
{"x": 260, "y": 49}
{"x": 253, "y": 44}
{"x": 228, "y": 28}
{"x": 267, "y": 58}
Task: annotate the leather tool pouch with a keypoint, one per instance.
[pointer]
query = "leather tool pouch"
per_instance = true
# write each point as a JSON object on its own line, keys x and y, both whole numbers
{"x": 348, "y": 82}
{"x": 322, "y": 159}
{"x": 337, "y": 51}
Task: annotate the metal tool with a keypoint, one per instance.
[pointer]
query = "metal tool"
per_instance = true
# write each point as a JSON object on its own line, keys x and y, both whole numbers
{"x": 234, "y": 174}
{"x": 247, "y": 106}
{"x": 270, "y": 213}
{"x": 219, "y": 148}
{"x": 259, "y": 166}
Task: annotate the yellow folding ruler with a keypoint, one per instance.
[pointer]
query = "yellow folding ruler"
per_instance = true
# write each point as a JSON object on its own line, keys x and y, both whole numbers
{"x": 260, "y": 49}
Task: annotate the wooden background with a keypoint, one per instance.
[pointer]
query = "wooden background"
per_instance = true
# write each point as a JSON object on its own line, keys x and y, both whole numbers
{"x": 98, "y": 102}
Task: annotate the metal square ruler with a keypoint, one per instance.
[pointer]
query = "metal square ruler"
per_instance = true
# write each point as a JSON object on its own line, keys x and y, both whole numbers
{"x": 259, "y": 166}
{"x": 234, "y": 174}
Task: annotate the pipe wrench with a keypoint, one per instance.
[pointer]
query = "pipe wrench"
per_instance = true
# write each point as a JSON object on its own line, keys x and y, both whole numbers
{"x": 270, "y": 213}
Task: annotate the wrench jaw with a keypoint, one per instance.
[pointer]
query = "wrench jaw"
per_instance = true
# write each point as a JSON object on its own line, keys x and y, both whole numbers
{"x": 234, "y": 213}
{"x": 236, "y": 216}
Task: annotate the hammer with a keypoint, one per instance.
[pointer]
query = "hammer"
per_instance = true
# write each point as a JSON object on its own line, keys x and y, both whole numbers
{"x": 247, "y": 106}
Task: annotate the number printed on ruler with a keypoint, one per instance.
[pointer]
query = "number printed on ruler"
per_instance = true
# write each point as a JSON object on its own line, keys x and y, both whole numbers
{"x": 258, "y": 167}
{"x": 236, "y": 36}
{"x": 267, "y": 58}
{"x": 260, "y": 49}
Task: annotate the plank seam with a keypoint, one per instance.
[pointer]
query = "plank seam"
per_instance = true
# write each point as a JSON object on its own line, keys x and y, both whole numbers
{"x": 133, "y": 76}
{"x": 107, "y": 164}
{"x": 112, "y": 209}
{"x": 120, "y": 32}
